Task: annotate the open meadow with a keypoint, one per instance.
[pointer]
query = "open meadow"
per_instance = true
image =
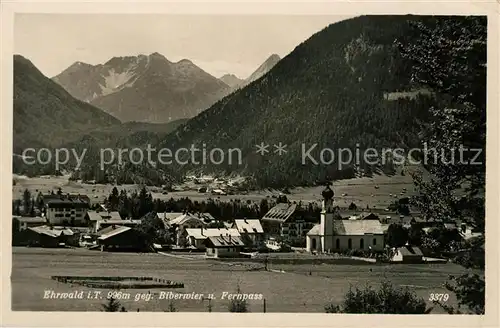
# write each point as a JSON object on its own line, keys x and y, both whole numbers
{"x": 300, "y": 288}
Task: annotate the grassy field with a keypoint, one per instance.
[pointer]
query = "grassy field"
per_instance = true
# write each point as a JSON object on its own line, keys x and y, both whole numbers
{"x": 361, "y": 191}
{"x": 301, "y": 288}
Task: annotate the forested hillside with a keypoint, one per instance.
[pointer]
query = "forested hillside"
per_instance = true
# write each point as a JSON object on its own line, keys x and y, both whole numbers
{"x": 334, "y": 89}
{"x": 45, "y": 114}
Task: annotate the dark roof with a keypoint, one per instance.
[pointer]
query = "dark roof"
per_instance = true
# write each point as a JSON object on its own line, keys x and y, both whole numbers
{"x": 105, "y": 230}
{"x": 281, "y": 212}
{"x": 64, "y": 201}
{"x": 113, "y": 232}
{"x": 29, "y": 219}
{"x": 50, "y": 197}
{"x": 51, "y": 231}
{"x": 410, "y": 251}
{"x": 369, "y": 216}
{"x": 224, "y": 241}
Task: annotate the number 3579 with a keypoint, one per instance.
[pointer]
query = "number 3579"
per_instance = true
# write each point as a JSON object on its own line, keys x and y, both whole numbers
{"x": 439, "y": 297}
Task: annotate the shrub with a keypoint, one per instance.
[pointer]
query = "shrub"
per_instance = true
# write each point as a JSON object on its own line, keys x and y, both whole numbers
{"x": 387, "y": 299}
{"x": 112, "y": 306}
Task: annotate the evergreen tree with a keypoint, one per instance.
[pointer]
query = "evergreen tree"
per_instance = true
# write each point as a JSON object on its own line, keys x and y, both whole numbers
{"x": 26, "y": 202}
{"x": 449, "y": 55}
{"x": 238, "y": 305}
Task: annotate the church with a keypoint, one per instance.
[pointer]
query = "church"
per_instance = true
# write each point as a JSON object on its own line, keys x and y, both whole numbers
{"x": 333, "y": 235}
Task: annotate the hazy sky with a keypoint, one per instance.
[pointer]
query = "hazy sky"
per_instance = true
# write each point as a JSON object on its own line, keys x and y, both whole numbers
{"x": 218, "y": 44}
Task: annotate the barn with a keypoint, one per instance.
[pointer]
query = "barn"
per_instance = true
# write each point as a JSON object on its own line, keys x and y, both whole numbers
{"x": 121, "y": 238}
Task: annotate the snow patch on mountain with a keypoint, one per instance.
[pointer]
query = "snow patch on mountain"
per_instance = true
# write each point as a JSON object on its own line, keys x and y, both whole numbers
{"x": 115, "y": 80}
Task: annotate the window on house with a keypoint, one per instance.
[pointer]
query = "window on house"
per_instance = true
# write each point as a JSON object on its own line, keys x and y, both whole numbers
{"x": 337, "y": 243}
{"x": 361, "y": 243}
{"x": 374, "y": 241}
{"x": 349, "y": 243}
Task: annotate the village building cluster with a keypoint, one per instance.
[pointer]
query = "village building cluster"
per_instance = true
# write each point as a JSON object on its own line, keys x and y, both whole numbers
{"x": 69, "y": 220}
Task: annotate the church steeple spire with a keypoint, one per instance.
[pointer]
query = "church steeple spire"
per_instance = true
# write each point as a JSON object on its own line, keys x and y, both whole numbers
{"x": 328, "y": 199}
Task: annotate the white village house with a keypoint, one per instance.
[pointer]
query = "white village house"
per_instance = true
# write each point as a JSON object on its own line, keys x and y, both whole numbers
{"x": 333, "y": 235}
{"x": 195, "y": 237}
{"x": 225, "y": 246}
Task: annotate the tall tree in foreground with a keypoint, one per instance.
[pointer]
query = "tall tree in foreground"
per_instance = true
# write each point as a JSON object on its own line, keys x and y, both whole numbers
{"x": 388, "y": 299}
{"x": 448, "y": 56}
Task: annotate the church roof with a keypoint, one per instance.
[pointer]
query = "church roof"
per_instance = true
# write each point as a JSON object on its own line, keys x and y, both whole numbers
{"x": 315, "y": 231}
{"x": 281, "y": 212}
{"x": 357, "y": 227}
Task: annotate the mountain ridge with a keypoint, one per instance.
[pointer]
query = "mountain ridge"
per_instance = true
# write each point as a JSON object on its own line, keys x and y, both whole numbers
{"x": 330, "y": 90}
{"x": 45, "y": 114}
{"x": 146, "y": 88}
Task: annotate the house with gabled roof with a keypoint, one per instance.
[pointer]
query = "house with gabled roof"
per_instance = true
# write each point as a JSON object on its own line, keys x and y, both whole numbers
{"x": 251, "y": 231}
{"x": 223, "y": 246}
{"x": 47, "y": 236}
{"x": 407, "y": 254}
{"x": 183, "y": 221}
{"x": 286, "y": 221}
{"x": 24, "y": 222}
{"x": 195, "y": 237}
{"x": 99, "y": 219}
{"x": 121, "y": 238}
{"x": 66, "y": 209}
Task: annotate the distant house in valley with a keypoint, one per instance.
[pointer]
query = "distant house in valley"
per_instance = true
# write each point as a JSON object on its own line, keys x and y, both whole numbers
{"x": 67, "y": 210}
{"x": 223, "y": 246}
{"x": 24, "y": 222}
{"x": 121, "y": 238}
{"x": 251, "y": 231}
{"x": 407, "y": 254}
{"x": 195, "y": 237}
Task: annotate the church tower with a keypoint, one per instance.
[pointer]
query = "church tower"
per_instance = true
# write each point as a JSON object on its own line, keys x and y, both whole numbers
{"x": 326, "y": 224}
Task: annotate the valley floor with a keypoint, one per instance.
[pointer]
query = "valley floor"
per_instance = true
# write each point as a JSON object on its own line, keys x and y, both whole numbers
{"x": 301, "y": 288}
{"x": 377, "y": 192}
